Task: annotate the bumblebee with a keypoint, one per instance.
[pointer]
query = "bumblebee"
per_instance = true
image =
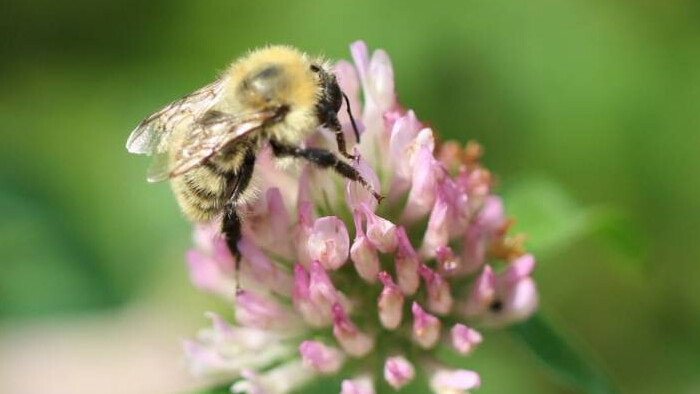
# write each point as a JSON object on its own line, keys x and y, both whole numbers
{"x": 206, "y": 142}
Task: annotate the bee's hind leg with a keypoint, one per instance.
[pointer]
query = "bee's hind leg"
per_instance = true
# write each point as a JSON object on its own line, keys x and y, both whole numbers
{"x": 231, "y": 222}
{"x": 231, "y": 227}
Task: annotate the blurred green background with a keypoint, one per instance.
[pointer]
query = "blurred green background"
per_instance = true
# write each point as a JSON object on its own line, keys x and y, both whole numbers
{"x": 588, "y": 111}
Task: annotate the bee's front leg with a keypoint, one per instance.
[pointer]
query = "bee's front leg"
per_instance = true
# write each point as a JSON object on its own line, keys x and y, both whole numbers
{"x": 324, "y": 159}
{"x": 342, "y": 145}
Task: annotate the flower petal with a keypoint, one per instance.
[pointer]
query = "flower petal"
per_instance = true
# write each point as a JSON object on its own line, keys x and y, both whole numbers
{"x": 356, "y": 194}
{"x": 426, "y": 327}
{"x": 439, "y": 297}
{"x": 207, "y": 275}
{"x": 483, "y": 293}
{"x": 464, "y": 339}
{"x": 301, "y": 297}
{"x": 401, "y": 146}
{"x": 329, "y": 242}
{"x": 398, "y": 372}
{"x": 437, "y": 235}
{"x": 424, "y": 181}
{"x": 258, "y": 267}
{"x": 254, "y": 310}
{"x": 352, "y": 340}
{"x": 267, "y": 224}
{"x": 407, "y": 262}
{"x": 358, "y": 385}
{"x": 390, "y": 303}
{"x": 382, "y": 75}
{"x": 454, "y": 381}
{"x": 303, "y": 232}
{"x": 321, "y": 358}
{"x": 448, "y": 264}
{"x": 364, "y": 256}
{"x": 281, "y": 379}
{"x": 381, "y": 232}
{"x": 518, "y": 269}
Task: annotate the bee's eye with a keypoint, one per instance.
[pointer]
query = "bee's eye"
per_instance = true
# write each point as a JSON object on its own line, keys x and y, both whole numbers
{"x": 330, "y": 101}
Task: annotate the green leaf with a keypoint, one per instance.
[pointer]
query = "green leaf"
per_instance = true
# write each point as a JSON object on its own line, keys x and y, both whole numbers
{"x": 566, "y": 361}
{"x": 620, "y": 233}
{"x": 553, "y": 220}
{"x": 218, "y": 389}
{"x": 550, "y": 217}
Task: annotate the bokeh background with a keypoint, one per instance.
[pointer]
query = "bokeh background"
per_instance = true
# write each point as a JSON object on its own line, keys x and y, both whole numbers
{"x": 588, "y": 111}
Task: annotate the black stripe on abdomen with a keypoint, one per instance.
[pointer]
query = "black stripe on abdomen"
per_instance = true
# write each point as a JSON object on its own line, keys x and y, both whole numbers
{"x": 216, "y": 170}
{"x": 195, "y": 189}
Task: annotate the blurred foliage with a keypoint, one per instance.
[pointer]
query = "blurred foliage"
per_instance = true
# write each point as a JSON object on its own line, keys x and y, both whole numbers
{"x": 58, "y": 265}
{"x": 564, "y": 360}
{"x": 553, "y": 220}
{"x": 599, "y": 98}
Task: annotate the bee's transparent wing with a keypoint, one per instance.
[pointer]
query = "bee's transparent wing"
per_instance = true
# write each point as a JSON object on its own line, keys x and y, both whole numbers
{"x": 160, "y": 167}
{"x": 205, "y": 138}
{"x": 152, "y": 135}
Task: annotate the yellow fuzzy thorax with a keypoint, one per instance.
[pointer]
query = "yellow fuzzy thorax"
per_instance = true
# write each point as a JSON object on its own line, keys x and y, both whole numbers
{"x": 301, "y": 88}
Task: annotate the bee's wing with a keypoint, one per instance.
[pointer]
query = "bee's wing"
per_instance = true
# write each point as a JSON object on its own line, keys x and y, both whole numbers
{"x": 205, "y": 138}
{"x": 151, "y": 136}
{"x": 160, "y": 167}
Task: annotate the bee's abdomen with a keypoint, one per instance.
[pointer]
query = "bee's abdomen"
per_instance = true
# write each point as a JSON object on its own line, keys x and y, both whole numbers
{"x": 201, "y": 192}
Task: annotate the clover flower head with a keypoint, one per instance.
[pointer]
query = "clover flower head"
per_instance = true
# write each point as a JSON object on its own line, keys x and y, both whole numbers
{"x": 328, "y": 277}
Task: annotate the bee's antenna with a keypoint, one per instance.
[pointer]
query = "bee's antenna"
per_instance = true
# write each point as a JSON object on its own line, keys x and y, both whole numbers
{"x": 352, "y": 119}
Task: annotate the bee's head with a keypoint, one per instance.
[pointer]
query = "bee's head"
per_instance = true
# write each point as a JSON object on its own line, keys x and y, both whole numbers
{"x": 331, "y": 100}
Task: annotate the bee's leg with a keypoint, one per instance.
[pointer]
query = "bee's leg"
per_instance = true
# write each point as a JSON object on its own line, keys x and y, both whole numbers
{"x": 342, "y": 146}
{"x": 352, "y": 118}
{"x": 231, "y": 225}
{"x": 340, "y": 136}
{"x": 324, "y": 159}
